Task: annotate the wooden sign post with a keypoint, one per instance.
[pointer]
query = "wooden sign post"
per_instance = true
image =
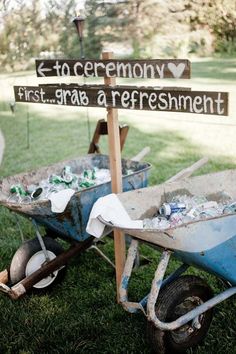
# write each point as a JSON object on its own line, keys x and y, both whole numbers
{"x": 116, "y": 174}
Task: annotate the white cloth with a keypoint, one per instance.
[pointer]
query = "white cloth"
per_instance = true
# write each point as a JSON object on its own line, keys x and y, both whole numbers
{"x": 59, "y": 200}
{"x": 111, "y": 210}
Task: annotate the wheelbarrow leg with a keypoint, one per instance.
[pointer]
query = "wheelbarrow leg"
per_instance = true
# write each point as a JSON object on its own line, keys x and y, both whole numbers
{"x": 95, "y": 248}
{"x": 4, "y": 276}
{"x": 40, "y": 239}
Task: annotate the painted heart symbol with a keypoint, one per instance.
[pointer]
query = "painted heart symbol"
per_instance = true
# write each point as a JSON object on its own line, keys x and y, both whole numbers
{"x": 176, "y": 70}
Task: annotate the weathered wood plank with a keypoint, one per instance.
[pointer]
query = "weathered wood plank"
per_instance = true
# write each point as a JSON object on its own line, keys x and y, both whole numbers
{"x": 116, "y": 175}
{"x": 154, "y": 69}
{"x": 140, "y": 98}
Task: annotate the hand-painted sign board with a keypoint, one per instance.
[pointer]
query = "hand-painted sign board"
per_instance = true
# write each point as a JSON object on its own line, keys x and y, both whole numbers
{"x": 136, "y": 69}
{"x": 140, "y": 98}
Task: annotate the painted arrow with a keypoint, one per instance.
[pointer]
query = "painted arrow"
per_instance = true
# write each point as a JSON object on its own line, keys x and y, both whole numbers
{"x": 41, "y": 69}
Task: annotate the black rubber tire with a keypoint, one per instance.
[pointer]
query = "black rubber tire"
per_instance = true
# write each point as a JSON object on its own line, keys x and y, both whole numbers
{"x": 26, "y": 251}
{"x": 171, "y": 296}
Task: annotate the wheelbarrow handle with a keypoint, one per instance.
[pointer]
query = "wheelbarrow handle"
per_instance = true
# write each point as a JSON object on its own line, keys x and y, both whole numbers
{"x": 141, "y": 154}
{"x": 187, "y": 172}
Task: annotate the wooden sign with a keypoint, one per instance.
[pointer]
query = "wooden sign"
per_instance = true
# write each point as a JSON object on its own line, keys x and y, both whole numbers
{"x": 136, "y": 69}
{"x": 140, "y": 98}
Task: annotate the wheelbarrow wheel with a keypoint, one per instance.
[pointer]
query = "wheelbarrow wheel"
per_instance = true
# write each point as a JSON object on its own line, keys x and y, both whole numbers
{"x": 176, "y": 299}
{"x": 29, "y": 257}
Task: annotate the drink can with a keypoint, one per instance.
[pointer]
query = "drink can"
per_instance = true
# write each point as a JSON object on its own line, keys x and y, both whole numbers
{"x": 54, "y": 179}
{"x": 89, "y": 174}
{"x": 66, "y": 170}
{"x": 68, "y": 178}
{"x": 18, "y": 189}
{"x": 37, "y": 193}
{"x": 67, "y": 175}
{"x": 31, "y": 188}
{"x": 170, "y": 208}
{"x": 86, "y": 184}
{"x": 231, "y": 208}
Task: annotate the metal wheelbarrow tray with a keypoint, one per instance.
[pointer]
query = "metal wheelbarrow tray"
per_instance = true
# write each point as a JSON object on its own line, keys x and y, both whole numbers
{"x": 72, "y": 222}
{"x": 69, "y": 225}
{"x": 209, "y": 244}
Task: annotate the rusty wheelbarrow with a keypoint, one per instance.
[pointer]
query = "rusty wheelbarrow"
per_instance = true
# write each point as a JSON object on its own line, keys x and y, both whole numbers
{"x": 40, "y": 262}
{"x": 179, "y": 307}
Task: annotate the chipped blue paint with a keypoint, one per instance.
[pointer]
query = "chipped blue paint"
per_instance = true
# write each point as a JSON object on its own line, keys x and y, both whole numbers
{"x": 220, "y": 260}
{"x": 125, "y": 282}
{"x": 144, "y": 301}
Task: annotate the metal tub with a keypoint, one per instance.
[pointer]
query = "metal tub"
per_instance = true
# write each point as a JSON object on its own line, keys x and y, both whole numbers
{"x": 72, "y": 222}
{"x": 209, "y": 244}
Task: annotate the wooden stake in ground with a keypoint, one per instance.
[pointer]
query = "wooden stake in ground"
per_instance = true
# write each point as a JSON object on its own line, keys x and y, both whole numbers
{"x": 116, "y": 175}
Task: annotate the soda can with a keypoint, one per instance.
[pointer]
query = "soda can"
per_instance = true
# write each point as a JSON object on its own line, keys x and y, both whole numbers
{"x": 37, "y": 193}
{"x": 89, "y": 174}
{"x": 66, "y": 170}
{"x": 176, "y": 219}
{"x": 54, "y": 179}
{"x": 18, "y": 190}
{"x": 67, "y": 175}
{"x": 86, "y": 184}
{"x": 170, "y": 208}
{"x": 31, "y": 188}
{"x": 68, "y": 178}
{"x": 230, "y": 208}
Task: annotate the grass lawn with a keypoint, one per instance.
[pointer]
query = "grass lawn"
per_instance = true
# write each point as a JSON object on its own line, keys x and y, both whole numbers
{"x": 80, "y": 315}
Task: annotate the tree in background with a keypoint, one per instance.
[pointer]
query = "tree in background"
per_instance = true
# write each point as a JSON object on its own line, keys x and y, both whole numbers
{"x": 95, "y": 18}
{"x": 217, "y": 16}
{"x": 222, "y": 21}
{"x": 61, "y": 13}
{"x": 22, "y": 34}
{"x": 136, "y": 22}
{"x": 28, "y": 29}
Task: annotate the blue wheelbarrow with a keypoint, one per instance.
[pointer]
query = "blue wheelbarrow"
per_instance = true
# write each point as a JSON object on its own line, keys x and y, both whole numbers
{"x": 179, "y": 307}
{"x": 40, "y": 263}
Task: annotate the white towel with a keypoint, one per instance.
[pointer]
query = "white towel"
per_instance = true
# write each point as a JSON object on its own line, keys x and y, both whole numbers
{"x": 59, "y": 200}
{"x": 111, "y": 210}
